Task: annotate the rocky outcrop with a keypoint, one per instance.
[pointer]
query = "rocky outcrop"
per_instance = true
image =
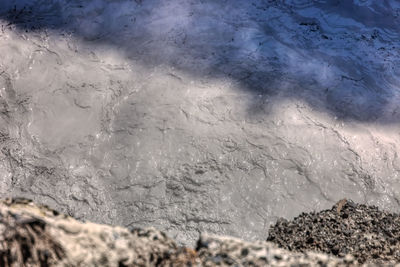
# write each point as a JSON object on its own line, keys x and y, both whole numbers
{"x": 33, "y": 235}
{"x": 36, "y": 235}
{"x": 349, "y": 234}
{"x": 228, "y": 251}
{"x": 369, "y": 234}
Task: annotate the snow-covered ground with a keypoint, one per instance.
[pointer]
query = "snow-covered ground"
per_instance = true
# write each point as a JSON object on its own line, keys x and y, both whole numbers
{"x": 200, "y": 115}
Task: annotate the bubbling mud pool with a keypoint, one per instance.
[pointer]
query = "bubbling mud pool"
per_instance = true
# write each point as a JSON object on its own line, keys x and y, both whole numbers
{"x": 195, "y": 116}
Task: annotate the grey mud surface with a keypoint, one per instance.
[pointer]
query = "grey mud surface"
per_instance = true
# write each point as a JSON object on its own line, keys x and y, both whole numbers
{"x": 199, "y": 115}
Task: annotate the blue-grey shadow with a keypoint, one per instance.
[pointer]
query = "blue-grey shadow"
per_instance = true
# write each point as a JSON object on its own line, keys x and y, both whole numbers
{"x": 340, "y": 57}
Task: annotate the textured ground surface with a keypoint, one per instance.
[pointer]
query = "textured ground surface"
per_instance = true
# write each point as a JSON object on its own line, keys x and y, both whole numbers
{"x": 348, "y": 228}
{"x": 199, "y": 115}
{"x": 72, "y": 243}
{"x": 32, "y": 235}
{"x": 228, "y": 251}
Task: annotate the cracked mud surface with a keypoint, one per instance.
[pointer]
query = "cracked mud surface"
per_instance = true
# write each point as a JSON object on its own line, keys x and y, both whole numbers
{"x": 196, "y": 115}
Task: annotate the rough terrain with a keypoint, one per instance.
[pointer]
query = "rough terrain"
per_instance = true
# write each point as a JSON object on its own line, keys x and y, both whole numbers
{"x": 34, "y": 235}
{"x": 365, "y": 232}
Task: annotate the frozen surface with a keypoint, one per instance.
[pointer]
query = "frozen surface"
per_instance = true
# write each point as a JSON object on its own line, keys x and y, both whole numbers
{"x": 199, "y": 115}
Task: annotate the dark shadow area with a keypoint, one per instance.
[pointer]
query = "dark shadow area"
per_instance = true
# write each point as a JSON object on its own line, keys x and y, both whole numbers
{"x": 341, "y": 57}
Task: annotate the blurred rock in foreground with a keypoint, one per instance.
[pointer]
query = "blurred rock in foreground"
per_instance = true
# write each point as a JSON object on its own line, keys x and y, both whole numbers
{"x": 34, "y": 235}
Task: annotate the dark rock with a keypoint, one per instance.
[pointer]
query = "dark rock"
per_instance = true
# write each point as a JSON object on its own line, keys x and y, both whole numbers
{"x": 367, "y": 233}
